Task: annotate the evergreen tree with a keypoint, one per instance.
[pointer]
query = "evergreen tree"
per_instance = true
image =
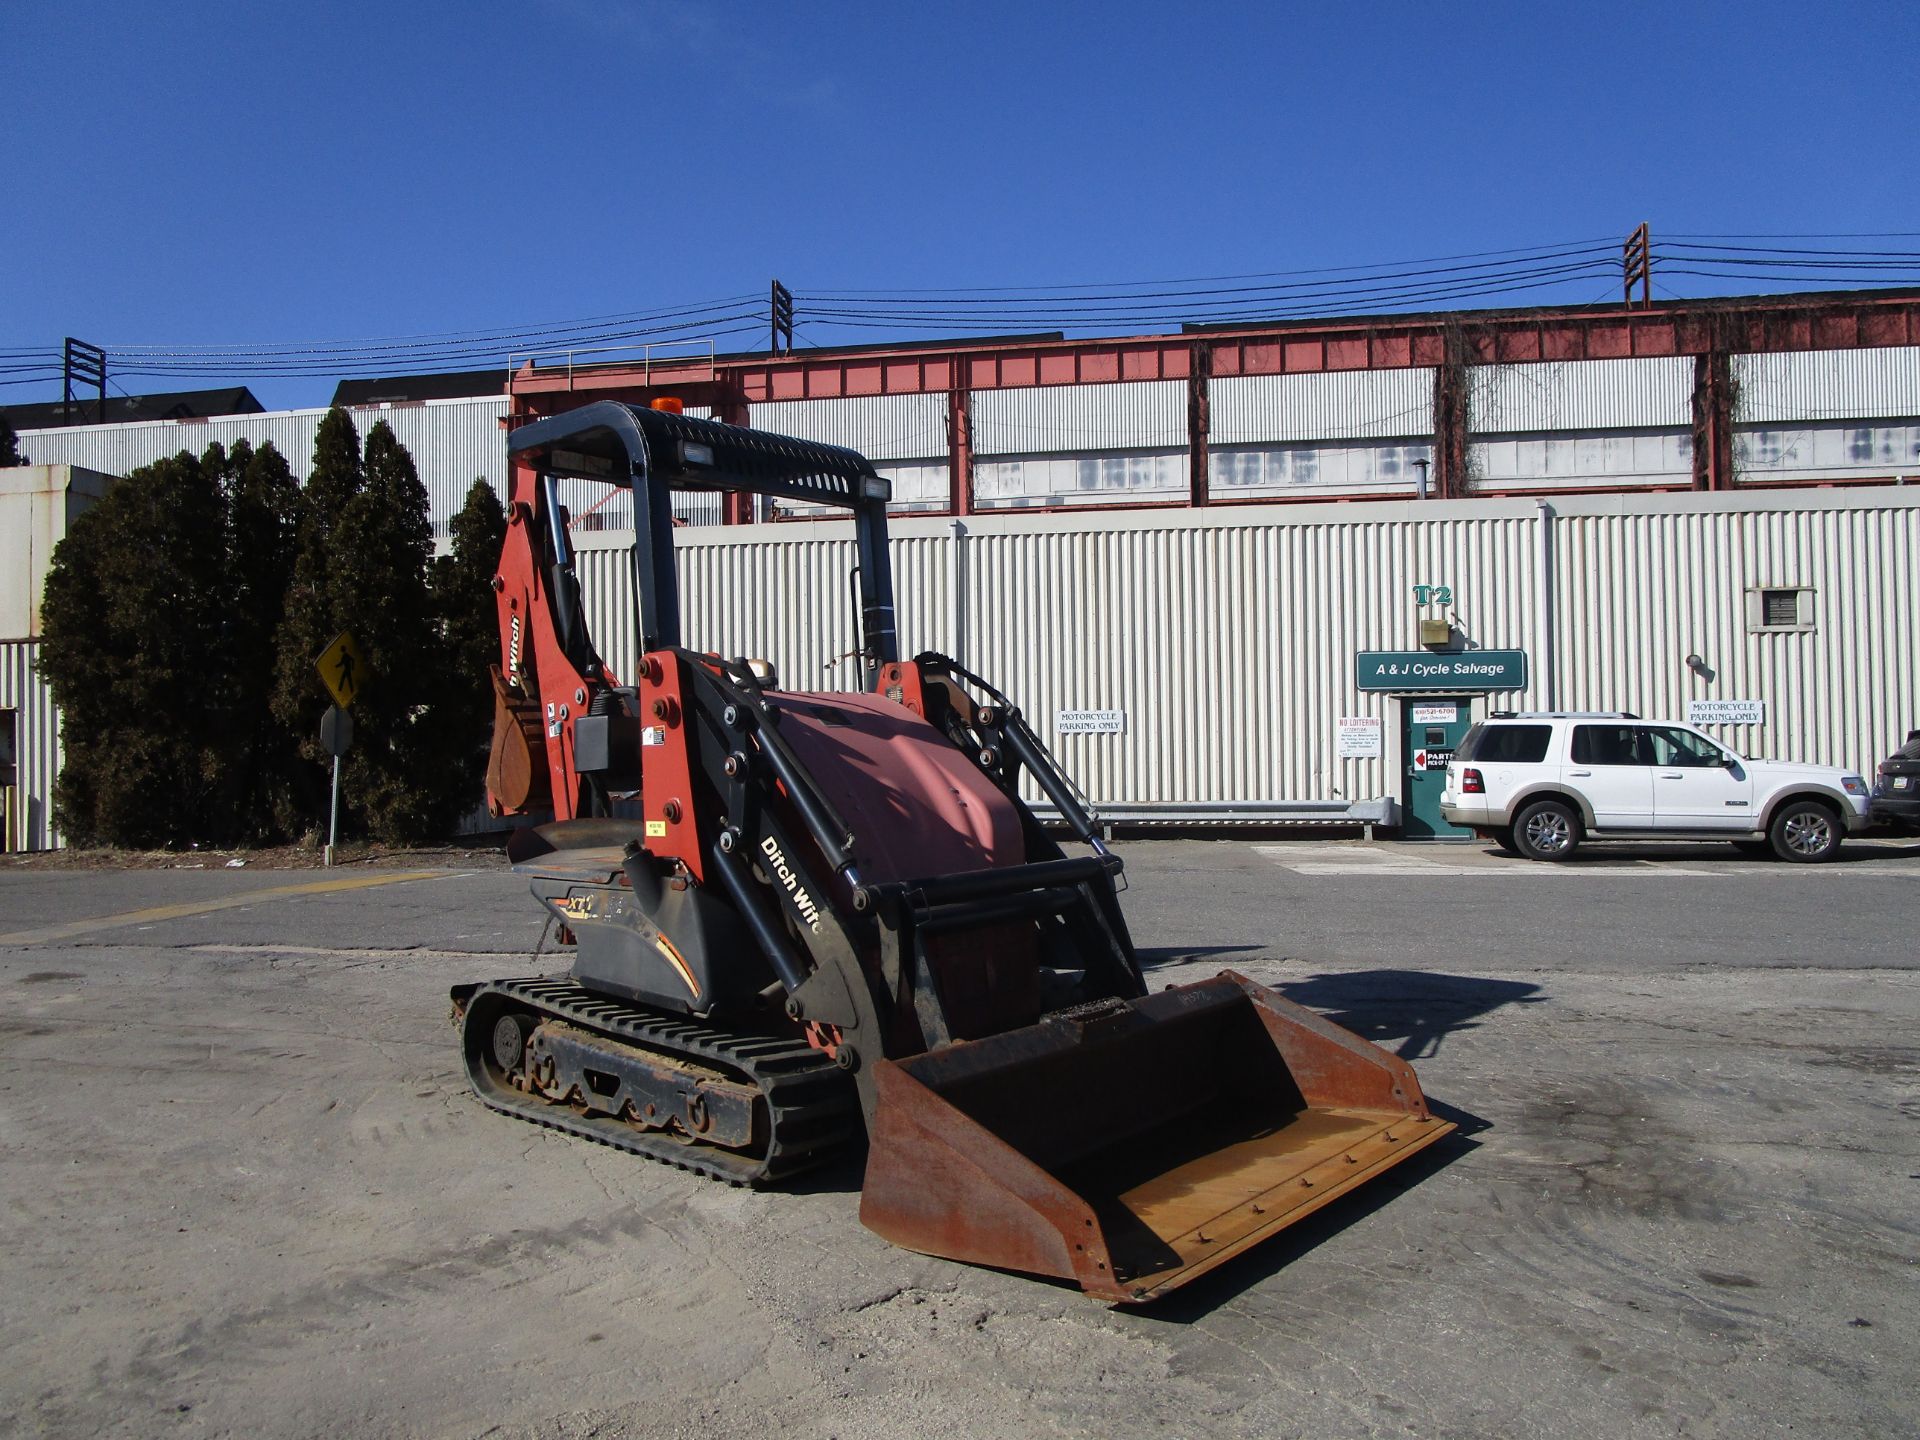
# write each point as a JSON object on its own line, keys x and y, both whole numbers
{"x": 403, "y": 779}
{"x": 263, "y": 510}
{"x": 181, "y": 653}
{"x": 79, "y": 672}
{"x": 10, "y": 445}
{"x": 134, "y": 651}
{"x": 470, "y": 627}
{"x": 310, "y": 615}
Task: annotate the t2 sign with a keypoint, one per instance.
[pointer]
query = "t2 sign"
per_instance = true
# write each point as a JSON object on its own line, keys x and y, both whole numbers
{"x": 1433, "y": 595}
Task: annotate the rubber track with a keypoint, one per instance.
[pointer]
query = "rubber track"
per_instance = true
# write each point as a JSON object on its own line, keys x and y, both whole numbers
{"x": 812, "y": 1105}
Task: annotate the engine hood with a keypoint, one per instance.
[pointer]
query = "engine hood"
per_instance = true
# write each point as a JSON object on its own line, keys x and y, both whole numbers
{"x": 1828, "y": 775}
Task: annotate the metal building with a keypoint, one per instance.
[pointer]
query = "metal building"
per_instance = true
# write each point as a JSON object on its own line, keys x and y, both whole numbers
{"x": 453, "y": 443}
{"x": 1223, "y": 649}
{"x": 1178, "y": 551}
{"x": 37, "y": 505}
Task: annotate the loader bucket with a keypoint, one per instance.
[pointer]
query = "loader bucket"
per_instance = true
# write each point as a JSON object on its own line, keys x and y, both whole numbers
{"x": 1135, "y": 1146}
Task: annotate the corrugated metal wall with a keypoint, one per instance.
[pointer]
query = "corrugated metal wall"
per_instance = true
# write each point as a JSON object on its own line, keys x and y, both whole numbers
{"x": 1228, "y": 638}
{"x": 1335, "y": 405}
{"x": 1338, "y": 433}
{"x": 1827, "y": 414}
{"x": 777, "y": 592}
{"x": 1081, "y": 444}
{"x": 1581, "y": 423}
{"x": 1540, "y": 427}
{"x": 453, "y": 443}
{"x": 1641, "y": 592}
{"x": 1774, "y": 452}
{"x": 1881, "y": 384}
{"x": 904, "y": 435}
{"x": 36, "y": 730}
{"x": 881, "y": 427}
{"x": 1228, "y": 645}
{"x": 1052, "y": 419}
{"x": 1609, "y": 458}
{"x": 1380, "y": 467}
{"x": 1581, "y": 395}
{"x": 1114, "y": 477}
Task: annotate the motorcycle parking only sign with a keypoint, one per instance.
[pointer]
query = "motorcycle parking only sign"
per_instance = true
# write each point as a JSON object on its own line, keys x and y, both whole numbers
{"x": 1726, "y": 712}
{"x": 1090, "y": 722}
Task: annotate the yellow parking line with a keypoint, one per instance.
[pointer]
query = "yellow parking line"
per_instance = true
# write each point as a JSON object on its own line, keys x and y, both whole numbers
{"x": 175, "y": 912}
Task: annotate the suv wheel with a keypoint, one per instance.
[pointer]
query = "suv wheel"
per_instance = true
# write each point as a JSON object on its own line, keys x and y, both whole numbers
{"x": 1806, "y": 831}
{"x": 1546, "y": 830}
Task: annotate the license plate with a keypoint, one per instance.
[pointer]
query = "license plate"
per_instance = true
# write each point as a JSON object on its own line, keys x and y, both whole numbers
{"x": 1900, "y": 782}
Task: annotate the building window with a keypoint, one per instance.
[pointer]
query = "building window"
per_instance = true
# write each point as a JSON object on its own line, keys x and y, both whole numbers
{"x": 1780, "y": 608}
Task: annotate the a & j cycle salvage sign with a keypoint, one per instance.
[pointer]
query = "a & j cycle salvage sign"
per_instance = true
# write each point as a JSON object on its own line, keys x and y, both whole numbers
{"x": 1440, "y": 670}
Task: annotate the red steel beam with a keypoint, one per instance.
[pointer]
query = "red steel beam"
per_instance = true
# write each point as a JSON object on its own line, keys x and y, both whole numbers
{"x": 1849, "y": 321}
{"x": 1708, "y": 330}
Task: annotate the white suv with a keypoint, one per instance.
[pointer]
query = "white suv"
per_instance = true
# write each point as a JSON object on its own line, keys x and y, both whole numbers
{"x": 1540, "y": 784}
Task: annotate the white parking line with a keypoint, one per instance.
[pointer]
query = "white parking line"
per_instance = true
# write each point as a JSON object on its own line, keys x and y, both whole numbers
{"x": 1307, "y": 859}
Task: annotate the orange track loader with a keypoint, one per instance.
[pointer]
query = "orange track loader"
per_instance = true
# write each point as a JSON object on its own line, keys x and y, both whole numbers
{"x": 800, "y": 916}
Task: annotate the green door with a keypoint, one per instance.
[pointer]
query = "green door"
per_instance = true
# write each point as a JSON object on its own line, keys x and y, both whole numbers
{"x": 1431, "y": 725}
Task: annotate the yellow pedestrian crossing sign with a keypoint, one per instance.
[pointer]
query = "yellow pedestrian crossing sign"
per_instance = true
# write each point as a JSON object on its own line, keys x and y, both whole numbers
{"x": 343, "y": 668}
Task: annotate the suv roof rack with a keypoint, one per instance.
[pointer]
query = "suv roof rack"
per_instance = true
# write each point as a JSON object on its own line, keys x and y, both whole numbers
{"x": 1561, "y": 715}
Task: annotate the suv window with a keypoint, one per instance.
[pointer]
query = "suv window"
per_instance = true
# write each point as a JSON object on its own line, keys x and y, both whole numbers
{"x": 1607, "y": 745}
{"x": 1505, "y": 744}
{"x": 1682, "y": 749}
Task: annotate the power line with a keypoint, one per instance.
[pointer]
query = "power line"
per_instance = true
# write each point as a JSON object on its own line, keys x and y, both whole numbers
{"x": 1251, "y": 307}
{"x": 1213, "y": 279}
{"x": 1199, "y": 296}
{"x": 1843, "y": 235}
{"x": 477, "y": 336}
{"x": 1776, "y": 250}
{"x": 1271, "y": 296}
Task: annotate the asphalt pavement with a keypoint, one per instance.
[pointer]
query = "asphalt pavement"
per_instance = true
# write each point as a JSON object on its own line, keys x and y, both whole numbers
{"x": 247, "y": 1194}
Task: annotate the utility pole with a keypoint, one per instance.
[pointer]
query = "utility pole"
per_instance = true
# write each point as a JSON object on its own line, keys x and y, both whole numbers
{"x": 781, "y": 318}
{"x": 1636, "y": 263}
{"x": 86, "y": 364}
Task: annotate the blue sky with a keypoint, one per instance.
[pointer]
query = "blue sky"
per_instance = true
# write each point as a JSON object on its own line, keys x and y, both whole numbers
{"x": 198, "y": 174}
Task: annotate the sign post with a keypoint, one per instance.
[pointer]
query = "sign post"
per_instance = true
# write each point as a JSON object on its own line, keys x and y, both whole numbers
{"x": 336, "y": 736}
{"x": 343, "y": 670}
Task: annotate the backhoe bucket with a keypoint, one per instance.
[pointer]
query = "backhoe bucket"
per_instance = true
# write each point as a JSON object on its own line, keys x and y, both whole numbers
{"x": 1133, "y": 1146}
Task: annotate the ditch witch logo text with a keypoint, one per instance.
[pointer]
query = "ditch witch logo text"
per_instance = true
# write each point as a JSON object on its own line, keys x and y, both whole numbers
{"x": 784, "y": 873}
